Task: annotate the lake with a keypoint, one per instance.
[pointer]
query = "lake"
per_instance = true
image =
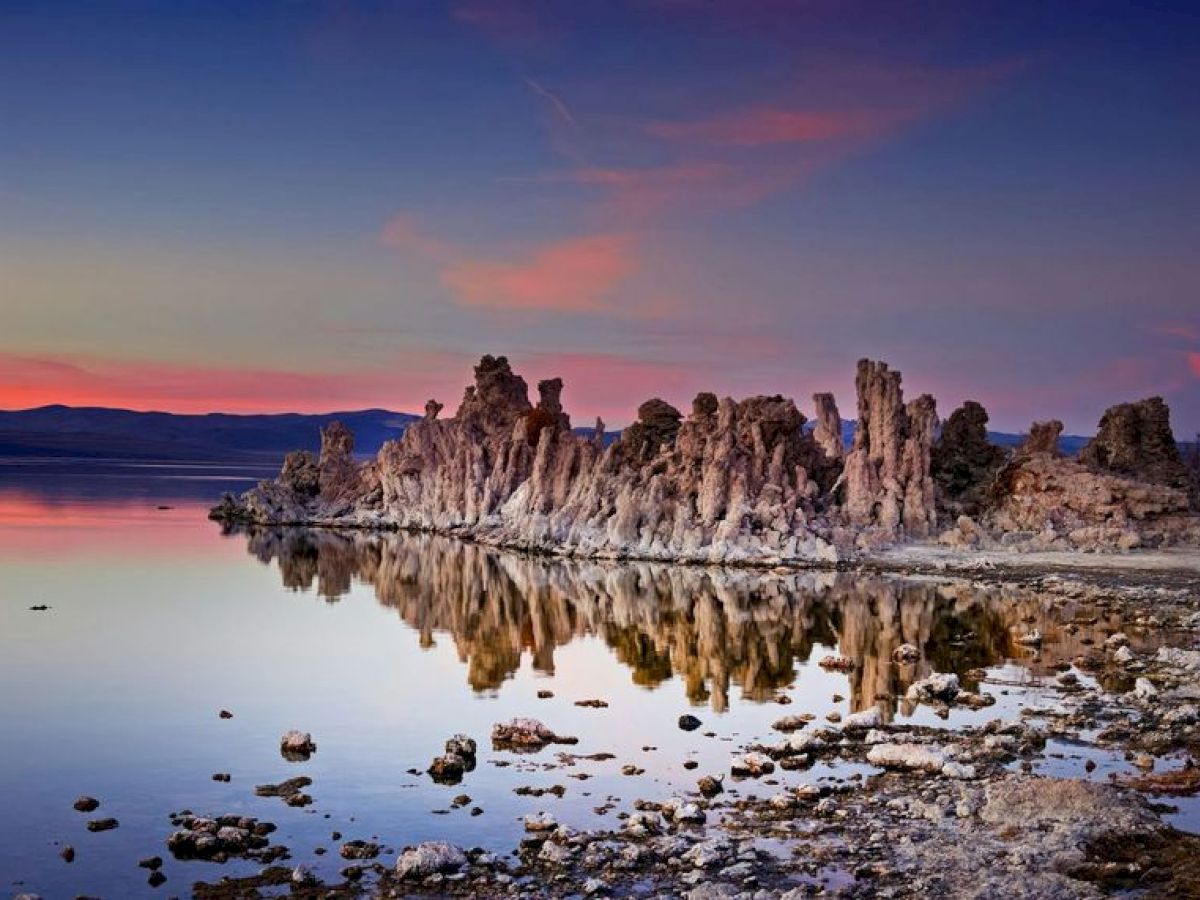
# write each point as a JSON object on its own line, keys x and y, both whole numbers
{"x": 384, "y": 646}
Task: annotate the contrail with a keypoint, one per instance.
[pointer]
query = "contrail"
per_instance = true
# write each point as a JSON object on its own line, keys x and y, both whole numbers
{"x": 555, "y": 101}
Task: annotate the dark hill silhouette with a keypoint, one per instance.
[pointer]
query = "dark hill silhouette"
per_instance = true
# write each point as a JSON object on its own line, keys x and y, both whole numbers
{"x": 97, "y": 432}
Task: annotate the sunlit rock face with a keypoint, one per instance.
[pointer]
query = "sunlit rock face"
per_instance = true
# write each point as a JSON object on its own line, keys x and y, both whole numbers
{"x": 730, "y": 482}
{"x": 887, "y": 475}
{"x": 735, "y": 481}
{"x": 722, "y": 632}
{"x": 1128, "y": 489}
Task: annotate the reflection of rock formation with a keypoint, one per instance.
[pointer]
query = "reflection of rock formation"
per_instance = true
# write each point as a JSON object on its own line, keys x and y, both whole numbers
{"x": 712, "y": 628}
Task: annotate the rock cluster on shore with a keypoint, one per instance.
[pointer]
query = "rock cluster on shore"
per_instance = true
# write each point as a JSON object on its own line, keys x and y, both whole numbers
{"x": 740, "y": 481}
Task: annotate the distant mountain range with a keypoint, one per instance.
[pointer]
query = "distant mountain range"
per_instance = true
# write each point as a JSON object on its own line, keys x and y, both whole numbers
{"x": 100, "y": 433}
{"x": 95, "y": 433}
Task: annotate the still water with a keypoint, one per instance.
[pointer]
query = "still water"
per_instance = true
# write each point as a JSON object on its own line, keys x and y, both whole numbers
{"x": 384, "y": 646}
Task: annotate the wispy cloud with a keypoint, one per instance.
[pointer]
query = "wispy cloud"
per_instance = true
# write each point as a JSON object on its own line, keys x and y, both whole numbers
{"x": 762, "y": 126}
{"x": 578, "y": 274}
{"x": 1177, "y": 330}
{"x": 572, "y": 275}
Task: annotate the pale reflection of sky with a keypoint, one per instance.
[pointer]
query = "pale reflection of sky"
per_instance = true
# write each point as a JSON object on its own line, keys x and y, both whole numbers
{"x": 158, "y": 622}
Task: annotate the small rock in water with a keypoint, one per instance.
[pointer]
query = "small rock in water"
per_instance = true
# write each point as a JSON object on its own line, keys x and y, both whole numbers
{"x": 292, "y": 791}
{"x": 150, "y": 862}
{"x": 67, "y": 853}
{"x": 540, "y": 822}
{"x": 940, "y": 686}
{"x": 222, "y": 776}
{"x": 86, "y": 804}
{"x": 683, "y": 812}
{"x": 792, "y": 723}
{"x": 102, "y": 824}
{"x": 359, "y": 850}
{"x": 225, "y": 714}
{"x": 689, "y": 722}
{"x": 863, "y": 721}
{"x": 526, "y": 734}
{"x": 461, "y": 745}
{"x": 156, "y": 879}
{"x": 592, "y": 704}
{"x": 296, "y": 746}
{"x": 42, "y": 607}
{"x": 430, "y": 858}
{"x": 447, "y": 769}
{"x": 545, "y": 695}
{"x": 751, "y": 765}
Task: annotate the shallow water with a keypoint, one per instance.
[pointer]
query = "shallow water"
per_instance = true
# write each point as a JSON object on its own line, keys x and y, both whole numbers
{"x": 383, "y": 647}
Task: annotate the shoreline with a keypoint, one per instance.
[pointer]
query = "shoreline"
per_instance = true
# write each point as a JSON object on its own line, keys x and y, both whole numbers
{"x": 1180, "y": 564}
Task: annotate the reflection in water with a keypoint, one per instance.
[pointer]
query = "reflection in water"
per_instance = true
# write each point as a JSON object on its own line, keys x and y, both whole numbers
{"x": 713, "y": 628}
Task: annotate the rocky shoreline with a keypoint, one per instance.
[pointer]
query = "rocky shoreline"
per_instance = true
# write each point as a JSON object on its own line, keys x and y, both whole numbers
{"x": 745, "y": 482}
{"x": 949, "y": 772}
{"x": 982, "y": 809}
{"x": 983, "y": 805}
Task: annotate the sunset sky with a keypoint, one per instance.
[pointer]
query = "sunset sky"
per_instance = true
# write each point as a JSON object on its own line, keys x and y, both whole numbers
{"x": 257, "y": 206}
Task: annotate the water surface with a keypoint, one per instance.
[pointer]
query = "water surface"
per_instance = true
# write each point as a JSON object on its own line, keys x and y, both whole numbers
{"x": 384, "y": 646}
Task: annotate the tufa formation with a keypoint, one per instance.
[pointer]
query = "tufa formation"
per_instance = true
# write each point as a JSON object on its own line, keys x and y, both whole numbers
{"x": 738, "y": 482}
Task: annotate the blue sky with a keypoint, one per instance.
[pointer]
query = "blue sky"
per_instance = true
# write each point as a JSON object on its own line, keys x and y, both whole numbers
{"x": 304, "y": 205}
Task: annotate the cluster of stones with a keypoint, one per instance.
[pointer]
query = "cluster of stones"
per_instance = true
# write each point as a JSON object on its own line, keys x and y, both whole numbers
{"x": 739, "y": 481}
{"x": 220, "y": 838}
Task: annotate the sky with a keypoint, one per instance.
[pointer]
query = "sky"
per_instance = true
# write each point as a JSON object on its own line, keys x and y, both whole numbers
{"x": 310, "y": 206}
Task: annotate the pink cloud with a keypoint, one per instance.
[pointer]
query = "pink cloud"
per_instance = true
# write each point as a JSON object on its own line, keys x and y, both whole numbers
{"x": 574, "y": 275}
{"x": 1177, "y": 330}
{"x": 762, "y": 126}
{"x": 609, "y": 385}
{"x": 577, "y": 274}
{"x": 402, "y": 232}
{"x": 29, "y": 381}
{"x": 1194, "y": 363}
